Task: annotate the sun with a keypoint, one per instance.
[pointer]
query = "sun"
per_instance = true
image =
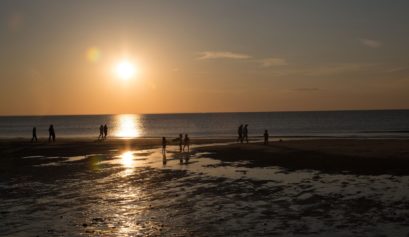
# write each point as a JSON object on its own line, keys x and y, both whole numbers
{"x": 125, "y": 70}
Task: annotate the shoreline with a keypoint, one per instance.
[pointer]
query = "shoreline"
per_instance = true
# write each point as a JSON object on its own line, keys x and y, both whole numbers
{"x": 360, "y": 136}
{"x": 82, "y": 146}
{"x": 338, "y": 155}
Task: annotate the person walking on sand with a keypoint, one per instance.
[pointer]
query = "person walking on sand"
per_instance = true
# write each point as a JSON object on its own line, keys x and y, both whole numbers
{"x": 181, "y": 142}
{"x": 51, "y": 133}
{"x": 186, "y": 143}
{"x": 240, "y": 134}
{"x": 101, "y": 132}
{"x": 164, "y": 143}
{"x": 105, "y": 131}
{"x": 34, "y": 135}
{"x": 265, "y": 137}
{"x": 245, "y": 133}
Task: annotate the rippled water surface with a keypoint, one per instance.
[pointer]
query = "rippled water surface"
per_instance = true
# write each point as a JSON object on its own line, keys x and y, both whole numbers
{"x": 379, "y": 123}
{"x": 140, "y": 193}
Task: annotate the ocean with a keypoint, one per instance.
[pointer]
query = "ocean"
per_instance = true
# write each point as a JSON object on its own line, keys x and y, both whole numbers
{"x": 372, "y": 123}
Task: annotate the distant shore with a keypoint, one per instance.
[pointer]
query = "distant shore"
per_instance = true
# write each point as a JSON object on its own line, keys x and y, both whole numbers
{"x": 362, "y": 156}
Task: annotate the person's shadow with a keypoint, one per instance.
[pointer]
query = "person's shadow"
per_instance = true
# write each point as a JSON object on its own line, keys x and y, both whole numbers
{"x": 164, "y": 160}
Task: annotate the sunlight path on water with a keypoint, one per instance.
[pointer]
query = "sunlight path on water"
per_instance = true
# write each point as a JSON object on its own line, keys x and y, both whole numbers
{"x": 127, "y": 126}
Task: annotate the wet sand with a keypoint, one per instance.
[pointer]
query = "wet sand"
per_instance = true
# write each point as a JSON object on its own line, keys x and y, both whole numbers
{"x": 371, "y": 156}
{"x": 361, "y": 156}
{"x": 12, "y": 150}
{"x": 80, "y": 187}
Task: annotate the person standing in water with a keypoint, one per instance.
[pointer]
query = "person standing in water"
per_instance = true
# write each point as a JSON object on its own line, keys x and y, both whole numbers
{"x": 51, "y": 133}
{"x": 105, "y": 131}
{"x": 245, "y": 133}
{"x": 34, "y": 135}
{"x": 265, "y": 137}
{"x": 186, "y": 143}
{"x": 240, "y": 133}
{"x": 181, "y": 142}
{"x": 101, "y": 132}
{"x": 164, "y": 143}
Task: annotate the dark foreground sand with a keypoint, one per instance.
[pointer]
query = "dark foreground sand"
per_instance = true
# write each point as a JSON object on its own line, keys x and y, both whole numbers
{"x": 82, "y": 187}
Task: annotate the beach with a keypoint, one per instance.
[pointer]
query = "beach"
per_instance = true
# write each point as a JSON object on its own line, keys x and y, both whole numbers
{"x": 204, "y": 118}
{"x": 117, "y": 187}
{"x": 360, "y": 156}
{"x": 374, "y": 156}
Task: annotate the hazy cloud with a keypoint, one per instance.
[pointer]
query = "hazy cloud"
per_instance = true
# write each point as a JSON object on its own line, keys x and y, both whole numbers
{"x": 307, "y": 89}
{"x": 326, "y": 69}
{"x": 371, "y": 43}
{"x": 271, "y": 62}
{"x": 338, "y": 68}
{"x": 222, "y": 55}
{"x": 397, "y": 69}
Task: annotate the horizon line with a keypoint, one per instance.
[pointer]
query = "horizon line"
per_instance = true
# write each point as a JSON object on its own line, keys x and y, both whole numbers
{"x": 207, "y": 112}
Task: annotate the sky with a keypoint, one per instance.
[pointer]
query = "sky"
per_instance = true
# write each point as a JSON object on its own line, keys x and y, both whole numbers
{"x": 59, "y": 57}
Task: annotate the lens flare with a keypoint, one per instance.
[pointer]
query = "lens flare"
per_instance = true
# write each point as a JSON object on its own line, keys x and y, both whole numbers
{"x": 93, "y": 54}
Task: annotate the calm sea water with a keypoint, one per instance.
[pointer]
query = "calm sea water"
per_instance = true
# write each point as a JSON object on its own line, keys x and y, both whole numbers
{"x": 383, "y": 123}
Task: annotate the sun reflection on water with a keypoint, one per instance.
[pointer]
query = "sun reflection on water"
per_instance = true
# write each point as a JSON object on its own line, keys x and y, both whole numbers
{"x": 127, "y": 126}
{"x": 127, "y": 159}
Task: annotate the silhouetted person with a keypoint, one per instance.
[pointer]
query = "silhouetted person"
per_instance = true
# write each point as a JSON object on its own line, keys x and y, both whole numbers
{"x": 180, "y": 142}
{"x": 105, "y": 131}
{"x": 246, "y": 133}
{"x": 240, "y": 133}
{"x": 164, "y": 143}
{"x": 186, "y": 143}
{"x": 101, "y": 132}
{"x": 265, "y": 137}
{"x": 51, "y": 133}
{"x": 34, "y": 135}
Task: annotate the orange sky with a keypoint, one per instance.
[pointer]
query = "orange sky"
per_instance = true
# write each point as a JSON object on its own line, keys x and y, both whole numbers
{"x": 204, "y": 57}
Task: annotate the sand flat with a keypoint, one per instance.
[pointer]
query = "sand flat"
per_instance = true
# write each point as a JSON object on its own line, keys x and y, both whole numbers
{"x": 374, "y": 156}
{"x": 217, "y": 190}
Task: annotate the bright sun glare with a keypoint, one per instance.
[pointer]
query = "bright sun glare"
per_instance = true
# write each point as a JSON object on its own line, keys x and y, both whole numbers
{"x": 125, "y": 70}
{"x": 127, "y": 159}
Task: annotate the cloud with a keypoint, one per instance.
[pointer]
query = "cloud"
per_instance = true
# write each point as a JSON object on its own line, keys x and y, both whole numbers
{"x": 271, "y": 62}
{"x": 307, "y": 89}
{"x": 222, "y": 55}
{"x": 328, "y": 69}
{"x": 371, "y": 43}
{"x": 338, "y": 68}
{"x": 397, "y": 69}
